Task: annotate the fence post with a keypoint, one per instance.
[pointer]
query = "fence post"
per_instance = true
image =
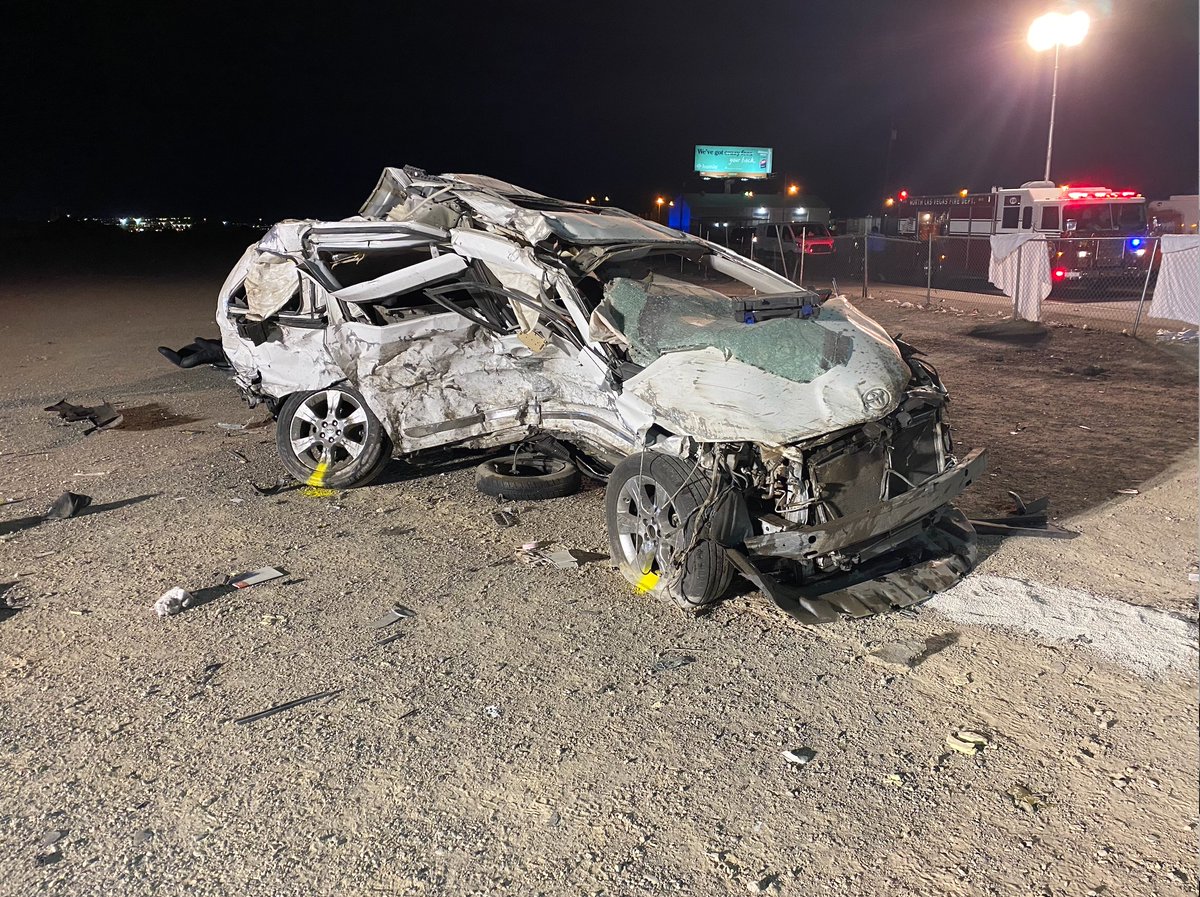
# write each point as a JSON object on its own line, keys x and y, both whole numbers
{"x": 866, "y": 255}
{"x": 929, "y": 269}
{"x": 1017, "y": 292}
{"x": 1145, "y": 286}
{"x": 803, "y": 243}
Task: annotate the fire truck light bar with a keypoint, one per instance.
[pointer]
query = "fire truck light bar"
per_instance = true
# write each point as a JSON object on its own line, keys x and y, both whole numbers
{"x": 1097, "y": 193}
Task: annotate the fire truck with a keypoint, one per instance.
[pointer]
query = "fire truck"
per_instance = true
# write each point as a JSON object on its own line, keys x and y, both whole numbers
{"x": 1092, "y": 233}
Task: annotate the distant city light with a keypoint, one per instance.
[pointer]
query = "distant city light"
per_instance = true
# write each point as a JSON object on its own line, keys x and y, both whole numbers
{"x": 889, "y": 202}
{"x": 963, "y": 192}
{"x": 793, "y": 189}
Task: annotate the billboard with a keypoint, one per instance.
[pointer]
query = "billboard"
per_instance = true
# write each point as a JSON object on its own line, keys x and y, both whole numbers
{"x": 733, "y": 161}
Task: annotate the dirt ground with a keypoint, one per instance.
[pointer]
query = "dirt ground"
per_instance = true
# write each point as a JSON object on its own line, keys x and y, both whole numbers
{"x": 545, "y": 731}
{"x": 1076, "y": 416}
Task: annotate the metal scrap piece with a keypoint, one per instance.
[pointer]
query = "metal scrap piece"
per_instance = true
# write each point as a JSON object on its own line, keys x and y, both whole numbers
{"x": 287, "y": 705}
{"x": 255, "y": 577}
{"x": 396, "y": 612}
{"x": 1030, "y": 519}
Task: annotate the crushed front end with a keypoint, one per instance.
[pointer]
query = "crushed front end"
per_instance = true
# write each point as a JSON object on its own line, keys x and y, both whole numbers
{"x": 856, "y": 522}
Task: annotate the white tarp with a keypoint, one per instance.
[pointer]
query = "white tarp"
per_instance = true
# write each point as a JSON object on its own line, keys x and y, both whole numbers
{"x": 1022, "y": 272}
{"x": 1177, "y": 293}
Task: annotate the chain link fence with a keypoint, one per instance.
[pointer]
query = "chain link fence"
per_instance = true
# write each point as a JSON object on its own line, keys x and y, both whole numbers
{"x": 1107, "y": 282}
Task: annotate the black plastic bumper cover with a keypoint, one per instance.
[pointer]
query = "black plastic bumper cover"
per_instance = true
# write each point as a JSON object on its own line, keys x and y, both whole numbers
{"x": 803, "y": 543}
{"x": 909, "y": 548}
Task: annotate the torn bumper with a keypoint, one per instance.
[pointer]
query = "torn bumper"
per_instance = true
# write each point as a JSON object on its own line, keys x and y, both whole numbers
{"x": 905, "y": 551}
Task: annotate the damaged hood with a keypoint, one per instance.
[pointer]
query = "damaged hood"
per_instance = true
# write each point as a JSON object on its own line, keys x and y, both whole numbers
{"x": 709, "y": 375}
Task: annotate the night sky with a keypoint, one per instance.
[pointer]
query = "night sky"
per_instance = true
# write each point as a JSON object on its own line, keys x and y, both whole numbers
{"x": 291, "y": 110}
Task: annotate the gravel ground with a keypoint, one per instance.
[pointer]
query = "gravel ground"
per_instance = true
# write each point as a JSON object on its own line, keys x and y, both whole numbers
{"x": 531, "y": 730}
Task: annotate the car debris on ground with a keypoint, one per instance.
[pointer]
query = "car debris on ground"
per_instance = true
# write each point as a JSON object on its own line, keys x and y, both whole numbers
{"x": 395, "y": 613}
{"x": 102, "y": 417}
{"x": 177, "y": 599}
{"x": 68, "y": 505}
{"x": 744, "y": 424}
{"x": 173, "y": 601}
{"x": 287, "y": 705}
{"x": 506, "y": 517}
{"x": 255, "y": 577}
{"x": 1030, "y": 519}
{"x": 799, "y": 756}
{"x": 966, "y": 741}
{"x": 199, "y": 352}
{"x": 535, "y": 555}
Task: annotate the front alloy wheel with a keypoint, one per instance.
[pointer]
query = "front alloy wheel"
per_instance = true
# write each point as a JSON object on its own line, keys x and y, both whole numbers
{"x": 329, "y": 437}
{"x": 652, "y": 503}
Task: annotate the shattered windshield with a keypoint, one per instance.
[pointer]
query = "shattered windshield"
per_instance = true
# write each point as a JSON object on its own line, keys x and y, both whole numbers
{"x": 661, "y": 314}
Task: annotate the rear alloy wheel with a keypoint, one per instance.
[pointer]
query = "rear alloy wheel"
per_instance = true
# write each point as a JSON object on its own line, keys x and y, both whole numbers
{"x": 329, "y": 437}
{"x": 651, "y": 507}
{"x": 527, "y": 477}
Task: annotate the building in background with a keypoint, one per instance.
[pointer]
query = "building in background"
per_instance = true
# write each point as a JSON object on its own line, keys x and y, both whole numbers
{"x": 734, "y": 193}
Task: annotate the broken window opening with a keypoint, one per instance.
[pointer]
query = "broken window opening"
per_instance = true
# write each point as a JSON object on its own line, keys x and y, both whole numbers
{"x": 555, "y": 317}
{"x": 353, "y": 268}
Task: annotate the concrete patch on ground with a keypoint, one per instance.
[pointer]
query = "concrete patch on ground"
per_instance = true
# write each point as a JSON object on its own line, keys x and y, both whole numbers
{"x": 1148, "y": 641}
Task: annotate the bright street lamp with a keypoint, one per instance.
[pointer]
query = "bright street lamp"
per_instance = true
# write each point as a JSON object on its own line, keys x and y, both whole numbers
{"x": 1056, "y": 30}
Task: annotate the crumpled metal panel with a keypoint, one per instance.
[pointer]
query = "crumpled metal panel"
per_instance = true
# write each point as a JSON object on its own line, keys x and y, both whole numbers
{"x": 946, "y": 553}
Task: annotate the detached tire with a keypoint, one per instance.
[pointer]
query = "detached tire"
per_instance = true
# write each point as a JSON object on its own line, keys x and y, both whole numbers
{"x": 651, "y": 506}
{"x": 329, "y": 437}
{"x": 527, "y": 477}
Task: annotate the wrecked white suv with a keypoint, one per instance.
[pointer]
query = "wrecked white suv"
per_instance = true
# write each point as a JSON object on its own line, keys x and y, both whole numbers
{"x": 743, "y": 423}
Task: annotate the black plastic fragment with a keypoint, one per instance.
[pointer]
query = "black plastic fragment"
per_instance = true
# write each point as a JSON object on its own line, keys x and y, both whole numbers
{"x": 287, "y": 705}
{"x": 68, "y": 505}
{"x": 102, "y": 417}
{"x": 199, "y": 351}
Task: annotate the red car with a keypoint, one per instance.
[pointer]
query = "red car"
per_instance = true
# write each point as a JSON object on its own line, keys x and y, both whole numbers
{"x": 812, "y": 237}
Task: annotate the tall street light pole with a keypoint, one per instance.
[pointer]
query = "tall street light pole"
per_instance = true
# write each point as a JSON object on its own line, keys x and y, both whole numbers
{"x": 1056, "y": 30}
